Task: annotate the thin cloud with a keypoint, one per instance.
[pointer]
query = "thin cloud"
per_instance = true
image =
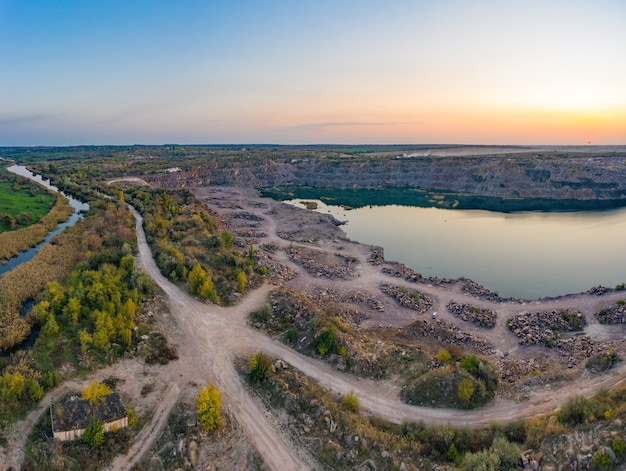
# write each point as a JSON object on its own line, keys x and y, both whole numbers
{"x": 331, "y": 124}
{"x": 11, "y": 120}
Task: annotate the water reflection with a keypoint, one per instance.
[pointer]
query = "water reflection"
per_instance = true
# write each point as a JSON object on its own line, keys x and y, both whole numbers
{"x": 528, "y": 255}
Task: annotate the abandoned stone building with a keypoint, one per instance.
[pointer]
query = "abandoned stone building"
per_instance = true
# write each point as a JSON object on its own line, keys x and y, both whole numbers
{"x": 71, "y": 417}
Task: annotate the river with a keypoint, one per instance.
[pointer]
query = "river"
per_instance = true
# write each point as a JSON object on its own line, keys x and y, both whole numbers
{"x": 521, "y": 254}
{"x": 78, "y": 206}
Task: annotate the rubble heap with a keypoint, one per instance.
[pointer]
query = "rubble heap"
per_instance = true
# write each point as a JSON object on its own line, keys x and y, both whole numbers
{"x": 446, "y": 333}
{"x": 277, "y": 272}
{"x": 312, "y": 264}
{"x": 407, "y": 297}
{"x": 479, "y": 291}
{"x": 482, "y": 317}
{"x": 543, "y": 327}
{"x": 612, "y": 315}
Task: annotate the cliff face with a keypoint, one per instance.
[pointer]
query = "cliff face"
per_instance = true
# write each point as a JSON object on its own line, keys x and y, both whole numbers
{"x": 568, "y": 177}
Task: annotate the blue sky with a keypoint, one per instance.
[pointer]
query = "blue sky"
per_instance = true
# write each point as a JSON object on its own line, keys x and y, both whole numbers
{"x": 483, "y": 72}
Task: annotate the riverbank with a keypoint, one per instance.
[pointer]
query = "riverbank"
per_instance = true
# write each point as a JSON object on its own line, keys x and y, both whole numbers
{"x": 19, "y": 246}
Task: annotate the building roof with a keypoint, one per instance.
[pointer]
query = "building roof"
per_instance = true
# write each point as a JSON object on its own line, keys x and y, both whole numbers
{"x": 75, "y": 413}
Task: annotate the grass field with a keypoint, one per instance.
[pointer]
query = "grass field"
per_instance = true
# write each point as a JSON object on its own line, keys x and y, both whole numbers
{"x": 22, "y": 204}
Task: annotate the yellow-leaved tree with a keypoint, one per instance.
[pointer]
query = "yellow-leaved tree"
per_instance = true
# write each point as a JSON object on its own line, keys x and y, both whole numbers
{"x": 95, "y": 392}
{"x": 209, "y": 407}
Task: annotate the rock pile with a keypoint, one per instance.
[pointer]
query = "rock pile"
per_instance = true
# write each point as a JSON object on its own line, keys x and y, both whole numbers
{"x": 446, "y": 333}
{"x": 315, "y": 267}
{"x": 277, "y": 272}
{"x": 535, "y": 328}
{"x": 400, "y": 271}
{"x": 482, "y": 317}
{"x": 599, "y": 290}
{"x": 543, "y": 328}
{"x": 364, "y": 299}
{"x": 530, "y": 461}
{"x": 613, "y": 315}
{"x": 512, "y": 370}
{"x": 407, "y": 297}
{"x": 245, "y": 215}
{"x": 481, "y": 292}
{"x": 377, "y": 256}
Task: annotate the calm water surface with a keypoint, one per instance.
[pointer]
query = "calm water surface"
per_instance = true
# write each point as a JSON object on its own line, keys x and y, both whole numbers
{"x": 78, "y": 206}
{"x": 527, "y": 255}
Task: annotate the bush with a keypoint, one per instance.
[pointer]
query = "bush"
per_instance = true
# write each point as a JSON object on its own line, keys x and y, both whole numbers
{"x": 575, "y": 410}
{"x": 470, "y": 363}
{"x": 291, "y": 334}
{"x": 208, "y": 408}
{"x": 327, "y": 342}
{"x": 619, "y": 447}
{"x": 94, "y": 434}
{"x": 466, "y": 390}
{"x": 601, "y": 460}
{"x": 351, "y": 402}
{"x": 261, "y": 367}
{"x": 444, "y": 356}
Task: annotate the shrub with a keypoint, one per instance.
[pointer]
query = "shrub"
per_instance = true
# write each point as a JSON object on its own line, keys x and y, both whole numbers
{"x": 351, "y": 402}
{"x": 444, "y": 356}
{"x": 466, "y": 390}
{"x": 208, "y": 408}
{"x": 620, "y": 302}
{"x": 470, "y": 363}
{"x": 94, "y": 434}
{"x": 601, "y": 460}
{"x": 619, "y": 446}
{"x": 575, "y": 410}
{"x": 261, "y": 367}
{"x": 292, "y": 334}
{"x": 327, "y": 342}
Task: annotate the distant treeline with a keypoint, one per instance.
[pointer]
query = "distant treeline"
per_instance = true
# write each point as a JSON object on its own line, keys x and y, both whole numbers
{"x": 425, "y": 198}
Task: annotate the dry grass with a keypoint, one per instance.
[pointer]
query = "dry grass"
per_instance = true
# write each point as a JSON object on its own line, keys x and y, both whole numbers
{"x": 14, "y": 242}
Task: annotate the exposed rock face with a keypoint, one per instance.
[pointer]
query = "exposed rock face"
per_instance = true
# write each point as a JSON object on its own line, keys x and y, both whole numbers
{"x": 559, "y": 175}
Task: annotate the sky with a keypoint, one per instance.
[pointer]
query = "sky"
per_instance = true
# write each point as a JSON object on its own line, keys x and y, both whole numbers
{"x": 76, "y": 72}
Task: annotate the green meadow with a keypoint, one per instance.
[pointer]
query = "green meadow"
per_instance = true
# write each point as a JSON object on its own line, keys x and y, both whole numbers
{"x": 21, "y": 203}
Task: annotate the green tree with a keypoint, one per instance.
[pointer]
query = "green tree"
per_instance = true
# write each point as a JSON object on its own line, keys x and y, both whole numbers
{"x": 50, "y": 328}
{"x": 95, "y": 392}
{"x": 72, "y": 310}
{"x": 208, "y": 407}
{"x": 85, "y": 340}
{"x": 94, "y": 434}
{"x": 11, "y": 387}
{"x": 34, "y": 389}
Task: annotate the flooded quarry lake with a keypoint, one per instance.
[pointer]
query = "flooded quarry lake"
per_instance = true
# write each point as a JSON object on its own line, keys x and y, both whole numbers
{"x": 521, "y": 254}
